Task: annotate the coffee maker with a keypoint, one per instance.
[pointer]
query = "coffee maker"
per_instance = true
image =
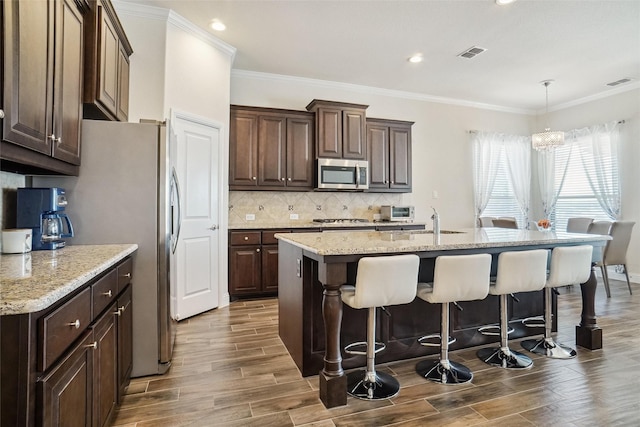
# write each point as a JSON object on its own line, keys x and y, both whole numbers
{"x": 41, "y": 209}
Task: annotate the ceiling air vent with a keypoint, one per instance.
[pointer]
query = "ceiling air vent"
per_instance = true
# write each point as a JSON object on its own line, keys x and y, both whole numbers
{"x": 471, "y": 52}
{"x": 619, "y": 82}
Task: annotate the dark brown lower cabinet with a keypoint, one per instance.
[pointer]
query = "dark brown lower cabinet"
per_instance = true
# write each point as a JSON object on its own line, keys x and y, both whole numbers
{"x": 81, "y": 384}
{"x": 270, "y": 268}
{"x": 66, "y": 391}
{"x": 125, "y": 341}
{"x": 105, "y": 363}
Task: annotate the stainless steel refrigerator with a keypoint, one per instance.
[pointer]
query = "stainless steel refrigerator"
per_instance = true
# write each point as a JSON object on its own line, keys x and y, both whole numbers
{"x": 125, "y": 193}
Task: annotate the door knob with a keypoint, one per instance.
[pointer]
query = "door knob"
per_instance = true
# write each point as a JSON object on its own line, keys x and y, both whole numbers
{"x": 213, "y": 227}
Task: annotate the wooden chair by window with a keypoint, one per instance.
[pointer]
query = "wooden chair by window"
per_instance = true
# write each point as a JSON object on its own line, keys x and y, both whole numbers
{"x": 615, "y": 253}
{"x": 486, "y": 221}
{"x": 578, "y": 225}
{"x": 505, "y": 222}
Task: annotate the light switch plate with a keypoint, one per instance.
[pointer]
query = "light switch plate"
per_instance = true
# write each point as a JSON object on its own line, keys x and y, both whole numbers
{"x": 293, "y": 216}
{"x": 250, "y": 217}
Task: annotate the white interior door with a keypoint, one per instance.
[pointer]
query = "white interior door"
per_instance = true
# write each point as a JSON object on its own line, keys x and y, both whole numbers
{"x": 196, "y": 259}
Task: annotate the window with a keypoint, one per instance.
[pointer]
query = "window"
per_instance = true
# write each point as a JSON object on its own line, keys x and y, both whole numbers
{"x": 590, "y": 186}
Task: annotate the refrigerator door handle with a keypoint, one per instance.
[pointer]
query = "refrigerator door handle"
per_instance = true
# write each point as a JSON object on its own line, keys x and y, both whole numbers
{"x": 175, "y": 184}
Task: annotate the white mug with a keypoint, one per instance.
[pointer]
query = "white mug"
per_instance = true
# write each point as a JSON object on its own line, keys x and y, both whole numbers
{"x": 16, "y": 241}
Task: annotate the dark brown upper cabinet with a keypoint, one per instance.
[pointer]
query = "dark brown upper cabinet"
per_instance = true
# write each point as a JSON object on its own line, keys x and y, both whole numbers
{"x": 270, "y": 149}
{"x": 42, "y": 86}
{"x": 389, "y": 155}
{"x": 107, "y": 51}
{"x": 340, "y": 129}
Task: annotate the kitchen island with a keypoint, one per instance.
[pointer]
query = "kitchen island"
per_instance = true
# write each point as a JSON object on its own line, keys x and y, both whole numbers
{"x": 313, "y": 266}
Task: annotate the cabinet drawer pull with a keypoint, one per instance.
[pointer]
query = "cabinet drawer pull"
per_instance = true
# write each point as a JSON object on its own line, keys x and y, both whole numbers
{"x": 253, "y": 178}
{"x": 246, "y": 237}
{"x": 76, "y": 324}
{"x": 122, "y": 309}
{"x": 93, "y": 345}
{"x": 128, "y": 275}
{"x": 118, "y": 312}
{"x": 258, "y": 250}
{"x": 107, "y": 294}
{"x": 1, "y": 114}
{"x": 288, "y": 179}
{"x": 282, "y": 179}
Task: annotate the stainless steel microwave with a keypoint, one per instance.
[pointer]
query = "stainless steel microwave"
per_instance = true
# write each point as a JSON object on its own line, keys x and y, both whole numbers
{"x": 343, "y": 174}
{"x": 397, "y": 213}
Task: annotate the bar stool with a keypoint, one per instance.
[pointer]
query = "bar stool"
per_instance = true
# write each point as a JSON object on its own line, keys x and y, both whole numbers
{"x": 522, "y": 271}
{"x": 455, "y": 278}
{"x": 380, "y": 281}
{"x": 570, "y": 265}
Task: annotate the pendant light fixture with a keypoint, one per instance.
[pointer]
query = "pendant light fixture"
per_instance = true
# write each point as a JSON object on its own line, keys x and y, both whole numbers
{"x": 547, "y": 140}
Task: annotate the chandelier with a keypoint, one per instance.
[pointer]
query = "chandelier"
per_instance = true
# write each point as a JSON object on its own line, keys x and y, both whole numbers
{"x": 547, "y": 140}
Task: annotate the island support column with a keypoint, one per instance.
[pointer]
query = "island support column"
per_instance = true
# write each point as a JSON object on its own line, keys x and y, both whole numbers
{"x": 333, "y": 381}
{"x": 588, "y": 333}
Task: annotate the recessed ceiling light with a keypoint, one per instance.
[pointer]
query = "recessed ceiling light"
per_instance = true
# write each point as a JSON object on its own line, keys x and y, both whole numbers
{"x": 217, "y": 25}
{"x": 416, "y": 58}
{"x": 503, "y": 2}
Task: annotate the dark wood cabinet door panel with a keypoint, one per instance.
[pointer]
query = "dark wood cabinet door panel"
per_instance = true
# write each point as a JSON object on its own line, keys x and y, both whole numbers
{"x": 378, "y": 150}
{"x": 300, "y": 156}
{"x": 270, "y": 268}
{"x": 353, "y": 134}
{"x": 66, "y": 391}
{"x": 105, "y": 359}
{"x": 400, "y": 158}
{"x": 245, "y": 269}
{"x": 271, "y": 150}
{"x": 108, "y": 61}
{"x": 28, "y": 73}
{"x": 329, "y": 134}
{"x": 125, "y": 341}
{"x": 68, "y": 75}
{"x": 122, "y": 113}
{"x": 243, "y": 155}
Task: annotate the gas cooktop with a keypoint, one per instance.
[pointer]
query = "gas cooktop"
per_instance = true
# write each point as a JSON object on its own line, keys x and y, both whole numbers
{"x": 339, "y": 220}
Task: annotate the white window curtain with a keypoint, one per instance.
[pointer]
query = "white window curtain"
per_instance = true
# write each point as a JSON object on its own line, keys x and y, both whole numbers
{"x": 599, "y": 154}
{"x": 518, "y": 153}
{"x": 548, "y": 166}
{"x": 502, "y": 175}
{"x": 486, "y": 158}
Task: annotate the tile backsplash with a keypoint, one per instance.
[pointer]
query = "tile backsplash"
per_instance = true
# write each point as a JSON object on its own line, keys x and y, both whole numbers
{"x": 277, "y": 206}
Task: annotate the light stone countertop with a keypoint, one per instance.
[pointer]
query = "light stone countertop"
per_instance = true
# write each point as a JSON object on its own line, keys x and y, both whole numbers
{"x": 375, "y": 242}
{"x": 309, "y": 224}
{"x": 34, "y": 281}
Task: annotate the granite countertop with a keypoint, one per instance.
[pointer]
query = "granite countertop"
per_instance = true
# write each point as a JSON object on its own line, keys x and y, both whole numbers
{"x": 310, "y": 224}
{"x": 34, "y": 281}
{"x": 372, "y": 242}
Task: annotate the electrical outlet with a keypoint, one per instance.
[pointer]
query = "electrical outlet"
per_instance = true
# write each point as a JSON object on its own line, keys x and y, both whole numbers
{"x": 293, "y": 216}
{"x": 250, "y": 217}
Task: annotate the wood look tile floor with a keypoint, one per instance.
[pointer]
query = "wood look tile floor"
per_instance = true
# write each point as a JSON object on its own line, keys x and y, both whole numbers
{"x": 231, "y": 369}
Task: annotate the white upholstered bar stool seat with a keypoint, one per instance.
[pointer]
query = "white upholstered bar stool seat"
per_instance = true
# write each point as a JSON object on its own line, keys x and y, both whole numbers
{"x": 455, "y": 278}
{"x": 518, "y": 271}
{"x": 570, "y": 265}
{"x": 380, "y": 281}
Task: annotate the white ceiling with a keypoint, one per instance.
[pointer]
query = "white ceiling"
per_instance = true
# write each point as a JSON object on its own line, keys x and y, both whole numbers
{"x": 582, "y": 45}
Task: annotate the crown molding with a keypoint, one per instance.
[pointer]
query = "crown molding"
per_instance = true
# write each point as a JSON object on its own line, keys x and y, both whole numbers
{"x": 426, "y": 98}
{"x": 175, "y": 19}
{"x": 602, "y": 95}
{"x": 326, "y": 84}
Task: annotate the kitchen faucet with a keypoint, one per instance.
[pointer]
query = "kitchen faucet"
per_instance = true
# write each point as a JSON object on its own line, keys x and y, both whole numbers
{"x": 436, "y": 226}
